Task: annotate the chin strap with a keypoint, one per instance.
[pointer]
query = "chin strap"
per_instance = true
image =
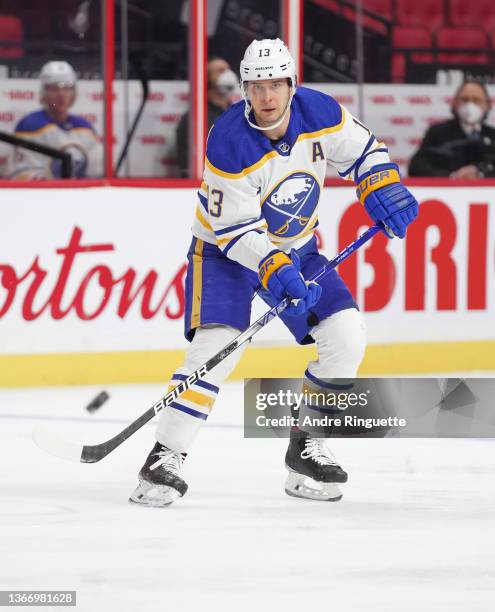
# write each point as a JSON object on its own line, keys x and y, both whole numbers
{"x": 248, "y": 108}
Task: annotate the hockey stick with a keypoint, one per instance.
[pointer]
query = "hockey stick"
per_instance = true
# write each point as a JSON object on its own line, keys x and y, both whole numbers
{"x": 93, "y": 453}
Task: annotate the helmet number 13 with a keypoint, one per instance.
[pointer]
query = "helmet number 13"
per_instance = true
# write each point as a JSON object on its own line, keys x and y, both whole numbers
{"x": 264, "y": 52}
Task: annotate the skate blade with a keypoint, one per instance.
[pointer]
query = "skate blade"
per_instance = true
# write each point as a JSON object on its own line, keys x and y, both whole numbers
{"x": 155, "y": 496}
{"x": 301, "y": 486}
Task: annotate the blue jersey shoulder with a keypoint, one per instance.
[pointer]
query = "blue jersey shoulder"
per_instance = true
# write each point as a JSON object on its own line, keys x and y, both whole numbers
{"x": 316, "y": 109}
{"x": 40, "y": 119}
{"x": 80, "y": 122}
{"x": 33, "y": 122}
{"x": 232, "y": 144}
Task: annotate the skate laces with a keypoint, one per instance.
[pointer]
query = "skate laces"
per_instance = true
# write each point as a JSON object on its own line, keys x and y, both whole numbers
{"x": 318, "y": 451}
{"x": 168, "y": 459}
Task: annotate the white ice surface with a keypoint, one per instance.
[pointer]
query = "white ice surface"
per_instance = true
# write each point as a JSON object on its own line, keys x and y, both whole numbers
{"x": 414, "y": 532}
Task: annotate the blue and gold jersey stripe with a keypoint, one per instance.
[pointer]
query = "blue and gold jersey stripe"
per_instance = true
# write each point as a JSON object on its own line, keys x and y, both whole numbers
{"x": 238, "y": 175}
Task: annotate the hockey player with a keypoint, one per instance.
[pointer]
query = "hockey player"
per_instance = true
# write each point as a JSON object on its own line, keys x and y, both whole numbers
{"x": 254, "y": 225}
{"x": 54, "y": 126}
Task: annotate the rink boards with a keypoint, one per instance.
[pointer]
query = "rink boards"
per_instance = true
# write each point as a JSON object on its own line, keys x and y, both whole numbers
{"x": 92, "y": 285}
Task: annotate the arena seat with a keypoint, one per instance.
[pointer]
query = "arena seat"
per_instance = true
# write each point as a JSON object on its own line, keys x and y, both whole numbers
{"x": 406, "y": 41}
{"x": 425, "y": 13}
{"x": 409, "y": 37}
{"x": 464, "y": 46}
{"x": 480, "y": 13}
{"x": 11, "y": 32}
{"x": 376, "y": 17}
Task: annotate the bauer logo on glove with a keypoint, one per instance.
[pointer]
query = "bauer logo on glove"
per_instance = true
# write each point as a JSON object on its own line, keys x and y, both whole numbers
{"x": 271, "y": 264}
{"x": 375, "y": 181}
{"x": 386, "y": 199}
{"x": 282, "y": 277}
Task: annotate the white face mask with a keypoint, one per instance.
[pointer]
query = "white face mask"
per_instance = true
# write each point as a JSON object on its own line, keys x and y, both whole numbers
{"x": 470, "y": 113}
{"x": 228, "y": 85}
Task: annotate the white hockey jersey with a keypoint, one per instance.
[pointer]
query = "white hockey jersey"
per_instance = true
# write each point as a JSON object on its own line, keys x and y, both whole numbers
{"x": 258, "y": 195}
{"x": 75, "y": 135}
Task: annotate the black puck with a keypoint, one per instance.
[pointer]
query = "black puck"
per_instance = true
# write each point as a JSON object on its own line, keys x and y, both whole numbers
{"x": 98, "y": 401}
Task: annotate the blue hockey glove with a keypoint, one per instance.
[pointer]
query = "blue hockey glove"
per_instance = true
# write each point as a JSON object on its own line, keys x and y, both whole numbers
{"x": 386, "y": 199}
{"x": 282, "y": 277}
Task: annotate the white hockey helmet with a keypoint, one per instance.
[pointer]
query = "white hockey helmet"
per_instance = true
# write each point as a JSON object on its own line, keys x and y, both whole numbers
{"x": 267, "y": 59}
{"x": 58, "y": 73}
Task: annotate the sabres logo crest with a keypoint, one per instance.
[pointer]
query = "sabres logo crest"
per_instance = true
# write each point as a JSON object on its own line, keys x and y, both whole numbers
{"x": 290, "y": 205}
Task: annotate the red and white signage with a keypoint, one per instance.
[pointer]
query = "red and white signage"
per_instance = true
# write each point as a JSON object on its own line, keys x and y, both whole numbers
{"x": 102, "y": 269}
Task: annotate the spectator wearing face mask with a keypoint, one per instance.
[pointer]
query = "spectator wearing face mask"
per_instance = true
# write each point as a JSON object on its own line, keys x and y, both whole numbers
{"x": 223, "y": 90}
{"x": 462, "y": 147}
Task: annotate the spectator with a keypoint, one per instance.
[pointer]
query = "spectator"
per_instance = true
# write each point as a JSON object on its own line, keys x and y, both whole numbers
{"x": 463, "y": 147}
{"x": 55, "y": 127}
{"x": 223, "y": 86}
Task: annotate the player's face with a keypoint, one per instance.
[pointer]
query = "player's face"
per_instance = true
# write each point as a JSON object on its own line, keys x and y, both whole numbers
{"x": 59, "y": 99}
{"x": 269, "y": 100}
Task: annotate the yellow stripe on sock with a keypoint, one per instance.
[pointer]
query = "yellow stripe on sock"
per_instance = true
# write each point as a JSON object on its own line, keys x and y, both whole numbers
{"x": 195, "y": 397}
{"x": 198, "y": 398}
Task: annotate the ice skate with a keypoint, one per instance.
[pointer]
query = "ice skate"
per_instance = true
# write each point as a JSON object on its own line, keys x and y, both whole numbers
{"x": 313, "y": 471}
{"x": 160, "y": 481}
